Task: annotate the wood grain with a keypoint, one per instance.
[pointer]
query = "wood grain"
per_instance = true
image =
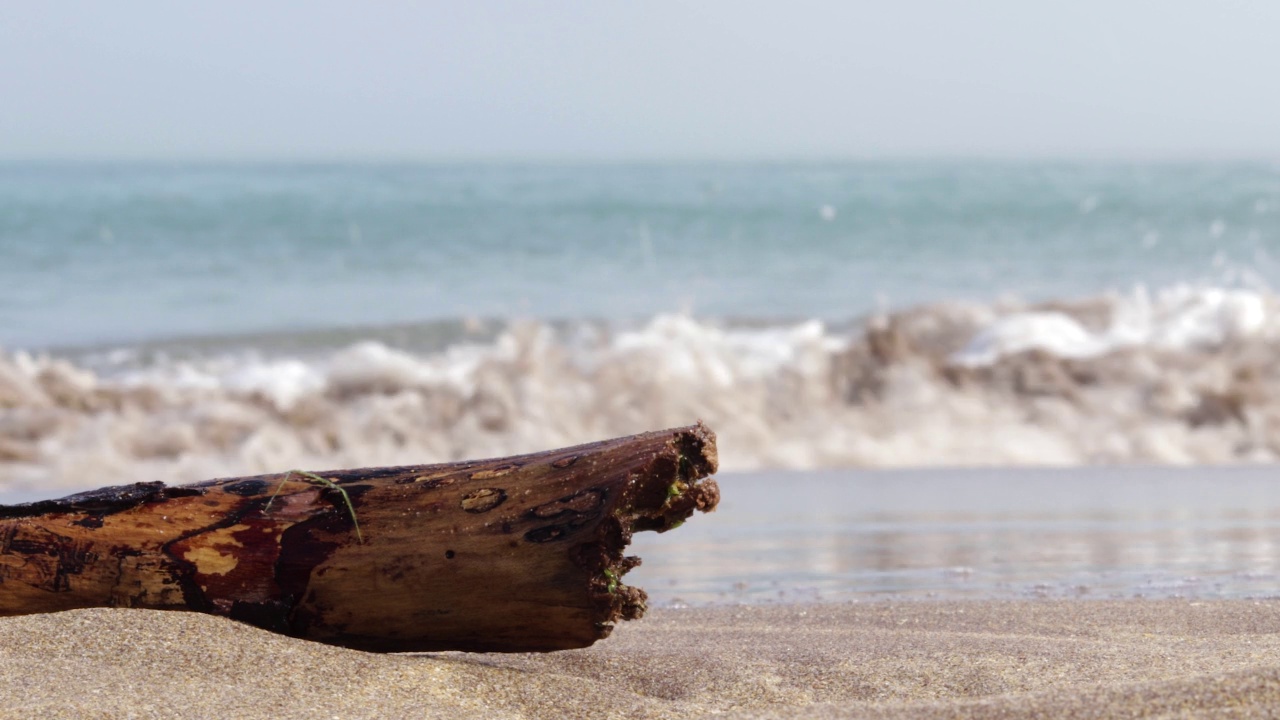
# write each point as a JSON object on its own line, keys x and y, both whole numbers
{"x": 511, "y": 554}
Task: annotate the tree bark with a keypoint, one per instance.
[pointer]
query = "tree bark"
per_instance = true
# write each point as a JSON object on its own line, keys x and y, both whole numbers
{"x": 513, "y": 554}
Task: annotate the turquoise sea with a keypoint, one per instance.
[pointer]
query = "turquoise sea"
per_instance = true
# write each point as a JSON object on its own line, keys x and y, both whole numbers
{"x": 187, "y": 321}
{"x": 106, "y": 254}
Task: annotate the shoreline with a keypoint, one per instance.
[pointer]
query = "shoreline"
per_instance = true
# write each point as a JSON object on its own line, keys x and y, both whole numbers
{"x": 883, "y": 659}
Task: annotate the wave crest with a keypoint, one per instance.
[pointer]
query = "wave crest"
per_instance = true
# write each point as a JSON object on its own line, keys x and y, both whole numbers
{"x": 1181, "y": 376}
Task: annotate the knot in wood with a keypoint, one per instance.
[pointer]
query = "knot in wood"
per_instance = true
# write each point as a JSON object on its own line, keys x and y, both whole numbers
{"x": 483, "y": 500}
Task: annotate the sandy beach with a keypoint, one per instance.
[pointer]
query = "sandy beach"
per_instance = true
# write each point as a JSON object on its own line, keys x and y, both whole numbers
{"x": 995, "y": 593}
{"x": 917, "y": 659}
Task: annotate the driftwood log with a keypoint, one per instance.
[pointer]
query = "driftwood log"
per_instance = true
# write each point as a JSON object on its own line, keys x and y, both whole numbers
{"x": 513, "y": 554}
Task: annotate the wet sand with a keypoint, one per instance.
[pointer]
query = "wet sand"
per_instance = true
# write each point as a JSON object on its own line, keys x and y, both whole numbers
{"x": 974, "y": 533}
{"x": 883, "y": 659}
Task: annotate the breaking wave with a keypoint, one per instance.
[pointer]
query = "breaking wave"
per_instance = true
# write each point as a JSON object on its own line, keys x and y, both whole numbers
{"x": 1184, "y": 375}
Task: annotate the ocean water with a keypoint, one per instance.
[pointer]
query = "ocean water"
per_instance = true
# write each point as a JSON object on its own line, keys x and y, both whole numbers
{"x": 850, "y": 535}
{"x": 183, "y": 322}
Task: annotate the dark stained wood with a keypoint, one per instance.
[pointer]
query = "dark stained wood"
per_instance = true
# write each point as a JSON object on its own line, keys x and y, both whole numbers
{"x": 513, "y": 554}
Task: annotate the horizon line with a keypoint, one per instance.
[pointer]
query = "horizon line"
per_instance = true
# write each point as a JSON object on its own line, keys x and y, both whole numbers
{"x": 569, "y": 160}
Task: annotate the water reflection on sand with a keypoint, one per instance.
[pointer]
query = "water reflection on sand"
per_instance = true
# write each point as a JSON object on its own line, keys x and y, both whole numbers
{"x": 1100, "y": 532}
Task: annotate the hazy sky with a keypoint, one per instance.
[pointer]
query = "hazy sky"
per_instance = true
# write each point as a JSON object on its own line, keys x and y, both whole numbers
{"x": 641, "y": 79}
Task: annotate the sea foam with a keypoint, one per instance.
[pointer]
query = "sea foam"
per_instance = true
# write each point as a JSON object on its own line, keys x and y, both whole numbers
{"x": 1179, "y": 375}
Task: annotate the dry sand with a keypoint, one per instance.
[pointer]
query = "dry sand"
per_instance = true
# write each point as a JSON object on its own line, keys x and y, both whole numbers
{"x": 973, "y": 659}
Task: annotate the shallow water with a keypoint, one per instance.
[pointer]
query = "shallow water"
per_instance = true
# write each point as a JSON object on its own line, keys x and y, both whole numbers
{"x": 1100, "y": 532}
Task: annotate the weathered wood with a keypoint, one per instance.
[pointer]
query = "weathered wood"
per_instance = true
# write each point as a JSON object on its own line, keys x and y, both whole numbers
{"x": 512, "y": 554}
